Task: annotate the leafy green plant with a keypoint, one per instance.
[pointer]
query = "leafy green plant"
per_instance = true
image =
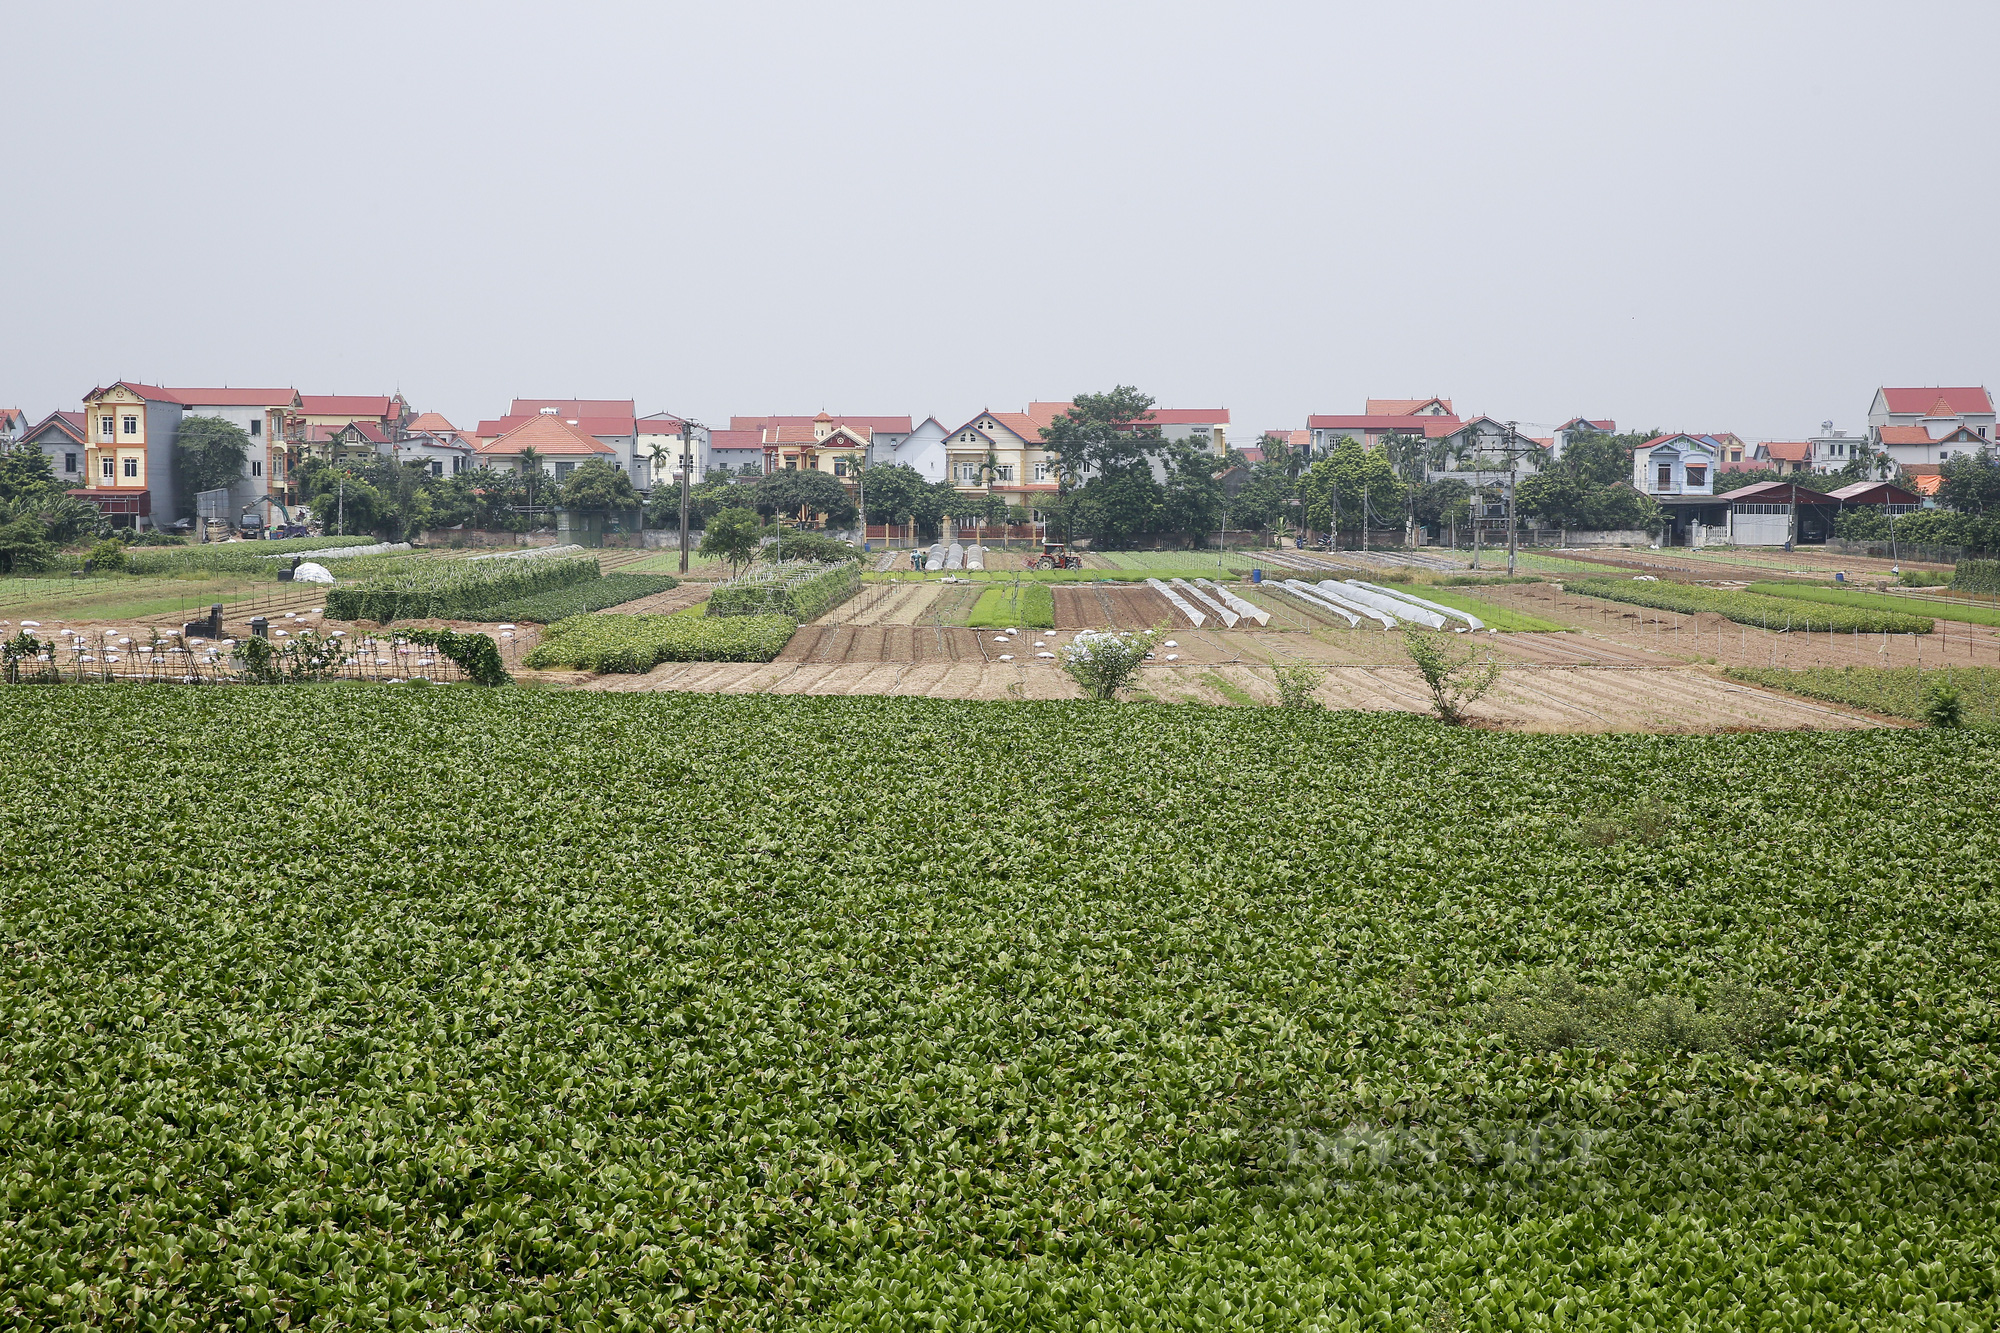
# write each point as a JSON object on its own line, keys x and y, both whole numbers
{"x": 1558, "y": 1012}
{"x": 305, "y": 658}
{"x": 802, "y": 592}
{"x": 1745, "y": 608}
{"x": 1976, "y": 576}
{"x": 1943, "y": 706}
{"x": 457, "y": 589}
{"x": 475, "y": 653}
{"x": 1104, "y": 662}
{"x": 1456, "y": 678}
{"x": 638, "y": 643}
{"x": 805, "y": 544}
{"x": 231, "y": 557}
{"x": 1976, "y": 613}
{"x": 1298, "y": 684}
{"x": 108, "y": 556}
{"x": 578, "y": 598}
{"x": 1006, "y": 605}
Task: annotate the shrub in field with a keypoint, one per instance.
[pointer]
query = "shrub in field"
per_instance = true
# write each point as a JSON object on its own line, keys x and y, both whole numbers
{"x": 1896, "y": 691}
{"x": 1454, "y": 677}
{"x": 579, "y": 598}
{"x": 796, "y": 544}
{"x": 304, "y": 658}
{"x": 1943, "y": 706}
{"x": 1559, "y": 1013}
{"x": 1778, "y": 613}
{"x": 456, "y": 589}
{"x": 1104, "y": 662}
{"x": 476, "y": 654}
{"x": 1298, "y": 684}
{"x": 639, "y": 643}
{"x": 108, "y": 556}
{"x": 799, "y": 591}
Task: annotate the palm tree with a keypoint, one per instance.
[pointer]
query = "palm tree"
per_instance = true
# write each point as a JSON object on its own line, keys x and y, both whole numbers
{"x": 531, "y": 468}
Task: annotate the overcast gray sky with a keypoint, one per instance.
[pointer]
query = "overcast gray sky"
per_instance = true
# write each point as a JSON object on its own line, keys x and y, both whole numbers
{"x": 1693, "y": 215}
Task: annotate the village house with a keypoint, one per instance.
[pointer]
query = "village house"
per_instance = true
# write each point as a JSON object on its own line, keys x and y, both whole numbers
{"x": 1931, "y": 425}
{"x": 557, "y": 447}
{"x": 60, "y": 437}
{"x": 13, "y": 421}
{"x": 319, "y": 416}
{"x": 130, "y": 431}
{"x": 265, "y": 417}
{"x": 612, "y": 422}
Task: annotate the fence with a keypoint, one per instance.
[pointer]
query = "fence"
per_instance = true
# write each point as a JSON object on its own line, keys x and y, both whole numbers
{"x": 176, "y": 659}
{"x": 1915, "y": 552}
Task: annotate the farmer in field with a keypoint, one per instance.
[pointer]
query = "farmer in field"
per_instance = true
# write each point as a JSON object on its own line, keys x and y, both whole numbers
{"x": 917, "y": 560}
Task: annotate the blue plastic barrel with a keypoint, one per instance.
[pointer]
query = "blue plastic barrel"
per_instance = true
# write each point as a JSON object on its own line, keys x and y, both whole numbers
{"x": 1256, "y": 576}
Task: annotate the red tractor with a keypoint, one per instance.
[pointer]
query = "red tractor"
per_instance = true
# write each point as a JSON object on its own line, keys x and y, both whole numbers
{"x": 1055, "y": 555}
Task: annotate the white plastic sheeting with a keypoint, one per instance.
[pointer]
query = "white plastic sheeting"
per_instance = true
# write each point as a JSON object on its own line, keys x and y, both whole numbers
{"x": 1180, "y": 603}
{"x": 1453, "y": 612}
{"x": 531, "y": 553}
{"x": 954, "y": 556}
{"x": 1235, "y": 603}
{"x": 936, "y": 558}
{"x": 1222, "y": 613}
{"x": 1387, "y": 606}
{"x": 342, "y": 552}
{"x": 1305, "y": 592}
{"x": 975, "y": 556}
{"x": 311, "y": 573}
{"x": 1342, "y": 595}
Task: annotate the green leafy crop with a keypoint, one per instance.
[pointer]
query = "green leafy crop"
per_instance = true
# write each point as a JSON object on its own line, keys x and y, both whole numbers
{"x": 578, "y": 598}
{"x": 1747, "y": 608}
{"x": 615, "y": 642}
{"x": 347, "y": 1008}
{"x": 457, "y": 589}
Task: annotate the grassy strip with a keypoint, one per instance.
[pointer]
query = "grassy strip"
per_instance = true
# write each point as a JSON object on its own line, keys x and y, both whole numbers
{"x": 638, "y": 643}
{"x": 1028, "y": 604}
{"x": 1895, "y": 691}
{"x": 1221, "y": 685}
{"x": 1495, "y": 616}
{"x": 1879, "y": 601}
{"x": 578, "y": 599}
{"x": 1747, "y": 608}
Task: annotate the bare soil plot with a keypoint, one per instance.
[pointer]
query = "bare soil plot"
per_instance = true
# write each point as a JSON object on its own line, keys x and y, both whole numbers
{"x": 664, "y": 603}
{"x": 885, "y": 604}
{"x": 1114, "y": 606}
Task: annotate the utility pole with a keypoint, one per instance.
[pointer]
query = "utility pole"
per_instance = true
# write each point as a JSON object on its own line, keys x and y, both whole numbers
{"x": 341, "y": 522}
{"x": 1513, "y": 443}
{"x": 687, "y": 437}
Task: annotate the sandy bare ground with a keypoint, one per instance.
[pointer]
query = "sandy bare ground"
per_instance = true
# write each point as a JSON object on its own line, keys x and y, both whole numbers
{"x": 885, "y": 604}
{"x": 1526, "y": 699}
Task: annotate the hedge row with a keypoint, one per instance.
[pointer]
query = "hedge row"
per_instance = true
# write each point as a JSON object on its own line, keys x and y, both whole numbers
{"x": 579, "y": 598}
{"x": 1976, "y": 576}
{"x": 1780, "y": 613}
{"x": 802, "y": 594}
{"x": 456, "y": 589}
{"x": 231, "y": 557}
{"x": 638, "y": 643}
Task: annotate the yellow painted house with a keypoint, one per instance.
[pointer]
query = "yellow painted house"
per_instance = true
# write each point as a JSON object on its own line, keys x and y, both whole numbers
{"x": 128, "y": 452}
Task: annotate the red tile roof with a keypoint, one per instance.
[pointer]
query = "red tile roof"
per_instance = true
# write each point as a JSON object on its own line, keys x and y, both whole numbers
{"x": 1789, "y": 451}
{"x": 347, "y": 405}
{"x": 1925, "y": 483}
{"x": 736, "y": 439}
{"x": 1189, "y": 416}
{"x": 1905, "y": 435}
{"x": 589, "y": 425}
{"x": 236, "y": 397}
{"x": 367, "y": 430}
{"x": 432, "y": 421}
{"x": 1939, "y": 402}
{"x": 150, "y": 392}
{"x": 548, "y": 435}
{"x": 1380, "y": 423}
{"x": 69, "y": 423}
{"x": 809, "y": 434}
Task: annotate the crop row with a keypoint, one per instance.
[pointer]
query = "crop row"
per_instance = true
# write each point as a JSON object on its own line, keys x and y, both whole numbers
{"x": 1939, "y": 608}
{"x": 1749, "y": 608}
{"x": 229, "y": 557}
{"x": 1895, "y": 691}
{"x": 802, "y": 592}
{"x": 638, "y": 643}
{"x": 1008, "y": 604}
{"x": 578, "y": 598}
{"x": 456, "y": 589}
{"x": 751, "y": 1011}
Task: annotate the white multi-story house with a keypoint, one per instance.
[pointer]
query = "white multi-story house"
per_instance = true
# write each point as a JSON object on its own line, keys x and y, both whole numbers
{"x": 1931, "y": 425}
{"x": 264, "y": 416}
{"x": 1676, "y": 465}
{"x": 1481, "y": 452}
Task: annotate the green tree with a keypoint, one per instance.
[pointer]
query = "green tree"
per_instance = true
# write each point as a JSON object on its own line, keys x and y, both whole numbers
{"x": 1971, "y": 483}
{"x": 898, "y": 493}
{"x": 209, "y": 454}
{"x": 1261, "y": 501}
{"x": 1104, "y": 432}
{"x": 25, "y": 546}
{"x": 1192, "y": 502}
{"x": 1351, "y": 478}
{"x": 789, "y": 493}
{"x": 26, "y": 474}
{"x": 732, "y": 535}
{"x": 1121, "y": 506}
{"x": 595, "y": 484}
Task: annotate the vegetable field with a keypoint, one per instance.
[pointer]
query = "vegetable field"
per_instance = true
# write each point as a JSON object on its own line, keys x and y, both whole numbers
{"x": 640, "y": 643}
{"x": 1747, "y": 608}
{"x": 455, "y": 589}
{"x": 1937, "y": 607}
{"x": 1896, "y": 691}
{"x": 511, "y": 1010}
{"x": 578, "y": 598}
{"x": 1010, "y": 604}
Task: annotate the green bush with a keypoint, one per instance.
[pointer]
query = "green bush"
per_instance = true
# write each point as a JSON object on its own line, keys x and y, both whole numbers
{"x": 1745, "y": 608}
{"x": 578, "y": 599}
{"x": 1558, "y": 1013}
{"x": 639, "y": 643}
{"x": 457, "y": 589}
{"x": 807, "y": 545}
{"x": 108, "y": 556}
{"x": 476, "y": 654}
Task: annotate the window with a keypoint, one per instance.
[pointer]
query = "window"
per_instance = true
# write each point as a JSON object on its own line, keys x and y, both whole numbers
{"x": 1697, "y": 476}
{"x": 131, "y": 467}
{"x": 256, "y": 426}
{"x": 1735, "y": 455}
{"x": 256, "y": 467}
{"x": 1004, "y": 472}
{"x": 966, "y": 472}
{"x": 109, "y": 469}
{"x": 564, "y": 469}
{"x": 1042, "y": 470}
{"x": 437, "y": 467}
{"x": 69, "y": 462}
{"x": 840, "y": 467}
{"x": 1666, "y": 476}
{"x": 107, "y": 428}
{"x": 131, "y": 423}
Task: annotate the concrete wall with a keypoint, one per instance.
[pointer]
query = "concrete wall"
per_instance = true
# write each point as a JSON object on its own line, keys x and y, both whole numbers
{"x": 163, "y": 428}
